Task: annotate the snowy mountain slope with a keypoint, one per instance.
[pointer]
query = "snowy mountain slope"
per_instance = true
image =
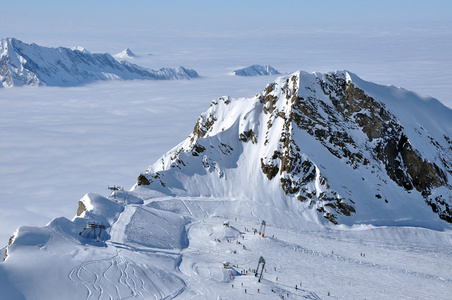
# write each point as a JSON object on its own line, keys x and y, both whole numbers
{"x": 25, "y": 64}
{"x": 256, "y": 70}
{"x": 322, "y": 144}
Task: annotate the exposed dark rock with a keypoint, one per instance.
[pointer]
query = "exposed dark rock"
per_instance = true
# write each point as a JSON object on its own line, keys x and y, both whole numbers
{"x": 11, "y": 239}
{"x": 269, "y": 169}
{"x": 248, "y": 136}
{"x": 6, "y": 254}
{"x": 441, "y": 207}
{"x": 81, "y": 208}
{"x": 197, "y": 149}
{"x": 203, "y": 125}
{"x": 143, "y": 180}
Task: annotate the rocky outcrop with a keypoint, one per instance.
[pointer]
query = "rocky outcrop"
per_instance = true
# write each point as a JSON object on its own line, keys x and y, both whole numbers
{"x": 11, "y": 240}
{"x": 393, "y": 147}
{"x": 142, "y": 180}
{"x": 81, "y": 208}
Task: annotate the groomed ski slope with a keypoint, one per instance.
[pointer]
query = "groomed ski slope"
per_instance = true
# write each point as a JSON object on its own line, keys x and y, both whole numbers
{"x": 174, "y": 247}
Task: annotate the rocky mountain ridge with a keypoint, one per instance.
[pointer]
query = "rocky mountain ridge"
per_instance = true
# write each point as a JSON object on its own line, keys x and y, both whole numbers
{"x": 307, "y": 135}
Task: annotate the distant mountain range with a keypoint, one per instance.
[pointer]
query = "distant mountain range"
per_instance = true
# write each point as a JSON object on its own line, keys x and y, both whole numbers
{"x": 30, "y": 64}
{"x": 256, "y": 70}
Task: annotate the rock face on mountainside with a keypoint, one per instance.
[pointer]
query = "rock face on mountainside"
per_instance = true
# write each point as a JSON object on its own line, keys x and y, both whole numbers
{"x": 256, "y": 70}
{"x": 353, "y": 151}
{"x": 25, "y": 64}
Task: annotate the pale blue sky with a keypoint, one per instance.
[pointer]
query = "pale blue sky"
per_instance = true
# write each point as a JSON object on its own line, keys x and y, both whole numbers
{"x": 364, "y": 10}
{"x": 225, "y": 14}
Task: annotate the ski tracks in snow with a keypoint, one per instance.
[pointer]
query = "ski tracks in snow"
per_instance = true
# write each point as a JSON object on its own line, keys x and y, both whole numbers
{"x": 126, "y": 273}
{"x": 125, "y": 276}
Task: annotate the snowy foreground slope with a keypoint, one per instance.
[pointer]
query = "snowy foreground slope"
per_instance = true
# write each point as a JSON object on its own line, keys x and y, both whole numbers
{"x": 282, "y": 158}
{"x": 30, "y": 64}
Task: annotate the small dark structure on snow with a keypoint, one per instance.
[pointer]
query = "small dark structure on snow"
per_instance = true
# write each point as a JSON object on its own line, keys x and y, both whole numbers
{"x": 262, "y": 229}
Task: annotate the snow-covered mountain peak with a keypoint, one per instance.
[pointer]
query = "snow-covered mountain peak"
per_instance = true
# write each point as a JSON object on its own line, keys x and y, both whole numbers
{"x": 317, "y": 142}
{"x": 81, "y": 49}
{"x": 126, "y": 53}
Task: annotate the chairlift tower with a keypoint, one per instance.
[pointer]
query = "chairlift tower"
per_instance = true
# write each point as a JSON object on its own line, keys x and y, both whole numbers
{"x": 94, "y": 226}
{"x": 261, "y": 261}
{"x": 113, "y": 190}
{"x": 262, "y": 229}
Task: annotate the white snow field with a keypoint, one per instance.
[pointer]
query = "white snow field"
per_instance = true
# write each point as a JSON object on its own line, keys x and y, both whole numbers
{"x": 175, "y": 247}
